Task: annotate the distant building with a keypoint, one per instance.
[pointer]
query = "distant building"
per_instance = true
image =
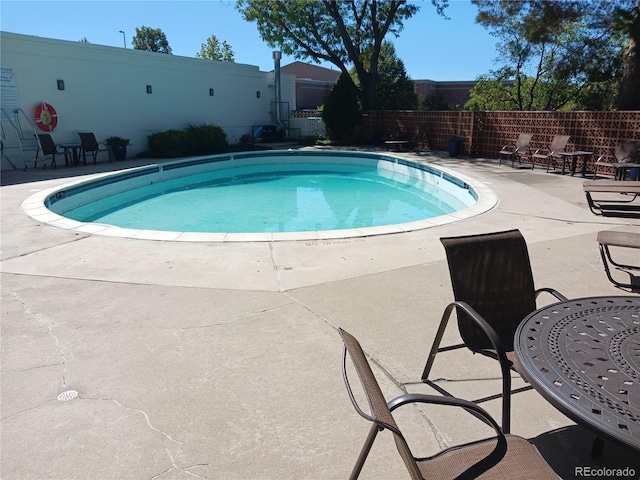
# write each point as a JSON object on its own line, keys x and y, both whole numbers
{"x": 314, "y": 83}
{"x": 444, "y": 94}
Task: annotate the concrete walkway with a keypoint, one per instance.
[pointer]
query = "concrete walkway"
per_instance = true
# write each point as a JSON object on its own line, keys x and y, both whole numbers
{"x": 222, "y": 360}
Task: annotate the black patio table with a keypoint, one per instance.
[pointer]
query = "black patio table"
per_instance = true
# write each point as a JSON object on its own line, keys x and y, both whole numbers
{"x": 74, "y": 148}
{"x": 583, "y": 356}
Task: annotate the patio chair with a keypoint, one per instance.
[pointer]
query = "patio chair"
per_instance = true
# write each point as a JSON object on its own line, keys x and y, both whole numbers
{"x": 89, "y": 144}
{"x": 494, "y": 291}
{"x": 50, "y": 149}
{"x": 502, "y": 456}
{"x": 518, "y": 151}
{"x": 420, "y": 140}
{"x": 611, "y": 238}
{"x": 550, "y": 155}
{"x": 625, "y": 150}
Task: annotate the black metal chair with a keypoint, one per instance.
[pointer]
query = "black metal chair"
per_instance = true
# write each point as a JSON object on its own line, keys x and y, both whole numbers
{"x": 50, "y": 149}
{"x": 90, "y": 145}
{"x": 499, "y": 457}
{"x": 494, "y": 291}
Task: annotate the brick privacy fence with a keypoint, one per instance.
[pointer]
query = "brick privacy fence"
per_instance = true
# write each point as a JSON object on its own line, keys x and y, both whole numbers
{"x": 486, "y": 132}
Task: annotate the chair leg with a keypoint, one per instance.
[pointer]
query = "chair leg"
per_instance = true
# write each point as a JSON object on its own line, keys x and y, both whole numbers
{"x": 505, "y": 369}
{"x": 506, "y": 400}
{"x": 357, "y": 468}
{"x": 435, "y": 347}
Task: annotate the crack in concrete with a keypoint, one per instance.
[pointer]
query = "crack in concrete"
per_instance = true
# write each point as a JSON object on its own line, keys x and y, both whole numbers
{"x": 26, "y": 410}
{"x": 181, "y": 469}
{"x": 144, "y": 414}
{"x": 436, "y": 432}
{"x": 238, "y": 317}
{"x": 46, "y": 322}
{"x": 33, "y": 368}
{"x": 276, "y": 268}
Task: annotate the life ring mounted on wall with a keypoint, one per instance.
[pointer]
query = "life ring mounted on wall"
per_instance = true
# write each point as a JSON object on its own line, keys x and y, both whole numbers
{"x": 46, "y": 117}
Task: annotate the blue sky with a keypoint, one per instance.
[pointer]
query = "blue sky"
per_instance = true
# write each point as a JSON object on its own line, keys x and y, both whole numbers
{"x": 430, "y": 46}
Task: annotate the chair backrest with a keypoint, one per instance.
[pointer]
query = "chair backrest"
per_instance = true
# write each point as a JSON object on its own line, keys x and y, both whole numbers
{"x": 626, "y": 148}
{"x": 492, "y": 273}
{"x": 379, "y": 410}
{"x": 559, "y": 142}
{"x": 47, "y": 144}
{"x": 524, "y": 139}
{"x": 88, "y": 141}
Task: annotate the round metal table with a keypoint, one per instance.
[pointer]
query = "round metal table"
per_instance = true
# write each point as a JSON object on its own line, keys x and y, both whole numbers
{"x": 583, "y": 356}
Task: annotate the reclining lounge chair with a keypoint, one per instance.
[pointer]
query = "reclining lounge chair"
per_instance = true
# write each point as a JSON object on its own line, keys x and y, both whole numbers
{"x": 616, "y": 199}
{"x": 616, "y": 239}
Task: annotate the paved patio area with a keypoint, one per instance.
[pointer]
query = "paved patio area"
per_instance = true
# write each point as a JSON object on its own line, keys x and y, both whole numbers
{"x": 222, "y": 360}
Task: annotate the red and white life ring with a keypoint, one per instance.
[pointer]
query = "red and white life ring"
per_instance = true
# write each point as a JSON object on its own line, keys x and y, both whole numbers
{"x": 46, "y": 117}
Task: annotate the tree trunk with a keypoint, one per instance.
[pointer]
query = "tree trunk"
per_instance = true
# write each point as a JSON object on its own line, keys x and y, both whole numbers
{"x": 629, "y": 98}
{"x": 367, "y": 93}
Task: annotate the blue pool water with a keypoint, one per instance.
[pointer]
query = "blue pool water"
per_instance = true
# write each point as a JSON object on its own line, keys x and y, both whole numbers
{"x": 274, "y": 201}
{"x": 266, "y": 194}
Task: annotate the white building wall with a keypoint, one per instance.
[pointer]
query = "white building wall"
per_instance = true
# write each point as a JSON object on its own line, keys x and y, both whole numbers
{"x": 106, "y": 91}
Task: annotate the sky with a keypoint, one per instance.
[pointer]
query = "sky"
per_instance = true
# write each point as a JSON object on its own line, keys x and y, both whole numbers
{"x": 431, "y": 47}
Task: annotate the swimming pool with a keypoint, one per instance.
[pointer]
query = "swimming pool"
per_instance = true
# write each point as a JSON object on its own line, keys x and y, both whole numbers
{"x": 258, "y": 196}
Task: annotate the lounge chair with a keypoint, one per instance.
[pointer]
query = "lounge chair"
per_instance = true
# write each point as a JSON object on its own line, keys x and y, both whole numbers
{"x": 550, "y": 155}
{"x": 517, "y": 152}
{"x": 501, "y": 456}
{"x": 611, "y": 238}
{"x": 92, "y": 146}
{"x": 624, "y": 152}
{"x": 617, "y": 197}
{"x": 50, "y": 149}
{"x": 494, "y": 291}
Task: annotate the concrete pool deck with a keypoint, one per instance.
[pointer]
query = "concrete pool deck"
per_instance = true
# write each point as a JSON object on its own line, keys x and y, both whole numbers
{"x": 222, "y": 360}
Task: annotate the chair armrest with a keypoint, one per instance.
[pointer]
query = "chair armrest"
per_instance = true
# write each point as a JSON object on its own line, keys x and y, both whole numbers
{"x": 554, "y": 152}
{"x": 521, "y": 148}
{"x": 410, "y": 398}
{"x": 553, "y": 292}
{"x": 488, "y": 331}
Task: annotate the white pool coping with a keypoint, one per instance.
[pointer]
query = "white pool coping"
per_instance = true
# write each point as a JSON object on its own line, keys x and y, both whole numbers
{"x": 35, "y": 207}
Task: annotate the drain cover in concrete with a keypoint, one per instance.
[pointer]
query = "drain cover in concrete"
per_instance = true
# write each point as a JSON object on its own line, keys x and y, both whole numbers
{"x": 68, "y": 395}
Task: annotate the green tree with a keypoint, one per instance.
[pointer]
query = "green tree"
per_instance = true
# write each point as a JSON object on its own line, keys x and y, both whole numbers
{"x": 214, "y": 50}
{"x": 151, "y": 40}
{"x": 344, "y": 33}
{"x": 578, "y": 46}
{"x": 628, "y": 22}
{"x": 341, "y": 112}
{"x": 394, "y": 89}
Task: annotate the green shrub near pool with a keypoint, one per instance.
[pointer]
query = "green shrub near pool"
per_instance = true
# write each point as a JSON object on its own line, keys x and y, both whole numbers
{"x": 203, "y": 139}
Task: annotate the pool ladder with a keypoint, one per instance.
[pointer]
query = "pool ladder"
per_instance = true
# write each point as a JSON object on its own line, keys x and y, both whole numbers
{"x": 27, "y": 138}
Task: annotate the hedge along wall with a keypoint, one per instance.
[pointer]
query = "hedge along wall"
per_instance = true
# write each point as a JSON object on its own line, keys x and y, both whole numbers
{"x": 486, "y": 132}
